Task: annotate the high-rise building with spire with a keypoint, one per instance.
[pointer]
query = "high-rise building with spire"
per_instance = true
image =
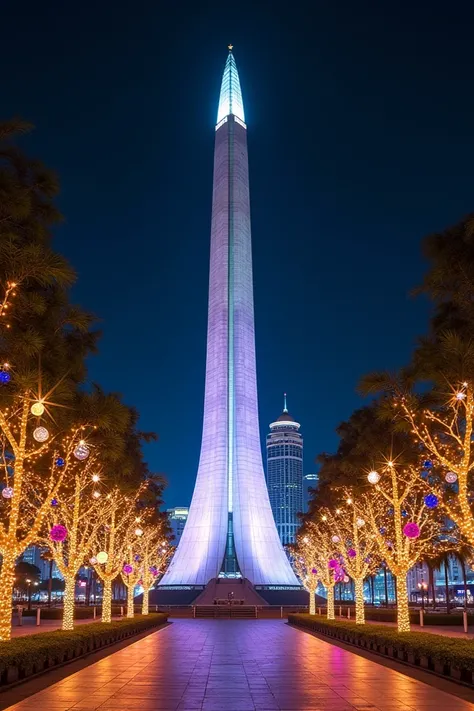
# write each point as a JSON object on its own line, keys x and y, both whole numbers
{"x": 230, "y": 529}
{"x": 285, "y": 474}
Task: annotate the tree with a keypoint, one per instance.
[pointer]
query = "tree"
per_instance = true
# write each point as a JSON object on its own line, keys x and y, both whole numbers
{"x": 74, "y": 521}
{"x": 316, "y": 547}
{"x": 155, "y": 555}
{"x": 119, "y": 532}
{"x": 304, "y": 564}
{"x": 356, "y": 545}
{"x": 402, "y": 523}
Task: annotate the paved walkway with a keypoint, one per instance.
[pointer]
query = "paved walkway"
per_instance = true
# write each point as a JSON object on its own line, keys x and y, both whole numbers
{"x": 240, "y": 665}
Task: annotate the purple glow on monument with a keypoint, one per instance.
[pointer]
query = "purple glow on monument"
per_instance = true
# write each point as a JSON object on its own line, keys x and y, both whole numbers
{"x": 230, "y": 477}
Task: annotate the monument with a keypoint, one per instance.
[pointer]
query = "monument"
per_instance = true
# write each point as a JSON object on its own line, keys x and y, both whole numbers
{"x": 230, "y": 530}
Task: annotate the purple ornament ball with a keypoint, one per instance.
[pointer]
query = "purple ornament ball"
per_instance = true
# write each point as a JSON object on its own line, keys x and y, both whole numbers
{"x": 333, "y": 564}
{"x": 351, "y": 553}
{"x": 411, "y": 530}
{"x": 58, "y": 533}
{"x": 314, "y": 571}
{"x": 127, "y": 569}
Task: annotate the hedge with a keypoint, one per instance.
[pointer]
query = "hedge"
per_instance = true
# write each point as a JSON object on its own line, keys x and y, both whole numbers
{"x": 80, "y": 613}
{"x": 390, "y": 615}
{"x": 449, "y": 656}
{"x": 23, "y": 656}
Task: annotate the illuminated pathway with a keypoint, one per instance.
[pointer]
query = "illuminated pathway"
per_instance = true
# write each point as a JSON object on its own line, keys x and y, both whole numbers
{"x": 239, "y": 665}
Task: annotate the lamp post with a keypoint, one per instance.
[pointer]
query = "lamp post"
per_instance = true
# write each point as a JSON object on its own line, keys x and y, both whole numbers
{"x": 422, "y": 586}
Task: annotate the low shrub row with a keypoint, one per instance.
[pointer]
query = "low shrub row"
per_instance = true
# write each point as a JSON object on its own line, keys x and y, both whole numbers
{"x": 450, "y": 656}
{"x": 390, "y": 615}
{"x": 80, "y": 613}
{"x": 23, "y": 656}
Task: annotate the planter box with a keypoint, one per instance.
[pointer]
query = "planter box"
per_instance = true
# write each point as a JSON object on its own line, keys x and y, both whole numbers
{"x": 12, "y": 675}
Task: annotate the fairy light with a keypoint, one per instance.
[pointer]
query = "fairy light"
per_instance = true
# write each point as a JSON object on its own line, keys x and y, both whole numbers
{"x": 446, "y": 434}
{"x": 360, "y": 558}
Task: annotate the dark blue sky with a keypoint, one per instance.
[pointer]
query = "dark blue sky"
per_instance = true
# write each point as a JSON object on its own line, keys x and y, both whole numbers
{"x": 361, "y": 141}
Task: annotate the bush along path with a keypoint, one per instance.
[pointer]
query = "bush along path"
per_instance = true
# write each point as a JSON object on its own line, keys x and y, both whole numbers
{"x": 445, "y": 656}
{"x": 25, "y": 656}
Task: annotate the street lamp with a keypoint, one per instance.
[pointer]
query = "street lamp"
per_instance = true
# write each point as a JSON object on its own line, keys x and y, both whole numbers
{"x": 422, "y": 586}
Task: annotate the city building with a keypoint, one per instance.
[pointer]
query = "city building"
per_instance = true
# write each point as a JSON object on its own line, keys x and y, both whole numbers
{"x": 285, "y": 474}
{"x": 310, "y": 483}
{"x": 32, "y": 555}
{"x": 177, "y": 518}
{"x": 230, "y": 529}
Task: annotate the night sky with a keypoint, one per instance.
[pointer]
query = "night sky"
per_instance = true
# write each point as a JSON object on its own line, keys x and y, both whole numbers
{"x": 361, "y": 141}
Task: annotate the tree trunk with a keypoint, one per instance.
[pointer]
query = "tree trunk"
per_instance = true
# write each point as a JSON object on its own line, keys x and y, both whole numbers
{"x": 385, "y": 584}
{"x": 106, "y": 601}
{"x": 446, "y": 584}
{"x": 432, "y": 585}
{"x": 312, "y": 603}
{"x": 330, "y": 593}
{"x": 69, "y": 594}
{"x": 359, "y": 601}
{"x": 464, "y": 580}
{"x": 130, "y": 608}
{"x": 7, "y": 579}
{"x": 50, "y": 582}
{"x": 146, "y": 598}
{"x": 403, "y": 610}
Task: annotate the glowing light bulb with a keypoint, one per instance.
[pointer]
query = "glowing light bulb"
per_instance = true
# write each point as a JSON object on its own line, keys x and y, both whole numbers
{"x": 324, "y": 518}
{"x": 41, "y": 434}
{"x": 338, "y": 511}
{"x": 95, "y": 477}
{"x": 138, "y": 532}
{"x": 390, "y": 465}
{"x": 37, "y": 408}
{"x": 306, "y": 539}
{"x": 460, "y": 396}
{"x": 102, "y": 557}
{"x": 349, "y": 501}
{"x": 96, "y": 494}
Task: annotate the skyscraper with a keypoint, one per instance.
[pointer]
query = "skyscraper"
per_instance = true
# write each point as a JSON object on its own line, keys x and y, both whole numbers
{"x": 285, "y": 474}
{"x": 230, "y": 528}
{"x": 177, "y": 518}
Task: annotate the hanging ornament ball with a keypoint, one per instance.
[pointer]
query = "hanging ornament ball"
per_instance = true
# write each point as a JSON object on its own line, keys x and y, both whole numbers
{"x": 7, "y": 492}
{"x": 451, "y": 477}
{"x": 102, "y": 557}
{"x": 411, "y": 530}
{"x": 404, "y": 513}
{"x": 58, "y": 533}
{"x": 5, "y": 377}
{"x": 41, "y": 434}
{"x": 360, "y": 522}
{"x": 351, "y": 553}
{"x": 139, "y": 532}
{"x": 346, "y": 578}
{"x": 314, "y": 571}
{"x": 373, "y": 477}
{"x": 427, "y": 464}
{"x": 127, "y": 569}
{"x": 431, "y": 501}
{"x": 155, "y": 573}
{"x": 59, "y": 462}
{"x": 54, "y": 502}
{"x": 82, "y": 451}
{"x": 93, "y": 561}
{"x": 333, "y": 564}
{"x": 37, "y": 408}
{"x": 335, "y": 539}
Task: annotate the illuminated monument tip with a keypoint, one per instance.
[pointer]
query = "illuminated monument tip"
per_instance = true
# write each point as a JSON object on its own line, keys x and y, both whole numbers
{"x": 230, "y": 530}
{"x": 230, "y": 100}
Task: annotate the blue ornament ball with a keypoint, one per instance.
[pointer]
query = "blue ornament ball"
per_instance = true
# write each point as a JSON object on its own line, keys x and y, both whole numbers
{"x": 60, "y": 462}
{"x": 431, "y": 501}
{"x": 5, "y": 377}
{"x": 54, "y": 502}
{"x": 427, "y": 464}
